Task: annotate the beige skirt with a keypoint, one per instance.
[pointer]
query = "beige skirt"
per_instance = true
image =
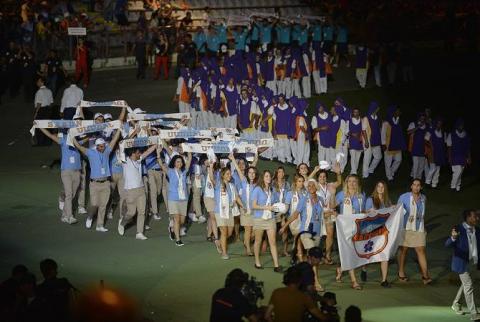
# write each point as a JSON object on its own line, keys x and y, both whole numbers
{"x": 224, "y": 222}
{"x": 414, "y": 239}
{"x": 209, "y": 204}
{"x": 177, "y": 207}
{"x": 262, "y": 224}
{"x": 309, "y": 242}
{"x": 246, "y": 220}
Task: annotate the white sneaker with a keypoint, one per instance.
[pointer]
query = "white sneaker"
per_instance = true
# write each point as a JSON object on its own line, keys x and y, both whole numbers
{"x": 202, "y": 219}
{"x": 121, "y": 228}
{"x": 140, "y": 236}
{"x": 183, "y": 231}
{"x": 101, "y": 229}
{"x": 81, "y": 211}
{"x": 70, "y": 221}
{"x": 110, "y": 215}
{"x": 147, "y": 227}
{"x": 457, "y": 308}
{"x": 192, "y": 217}
{"x": 157, "y": 217}
{"x": 60, "y": 205}
{"x": 88, "y": 223}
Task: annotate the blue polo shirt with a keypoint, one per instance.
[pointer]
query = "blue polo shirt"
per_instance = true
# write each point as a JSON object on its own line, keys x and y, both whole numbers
{"x": 213, "y": 42}
{"x": 173, "y": 183}
{"x": 358, "y": 202}
{"x": 221, "y": 33}
{"x": 99, "y": 162}
{"x": 230, "y": 191}
{"x": 115, "y": 164}
{"x": 317, "y": 32}
{"x": 314, "y": 223}
{"x": 342, "y": 35}
{"x": 283, "y": 34}
{"x": 199, "y": 38}
{"x": 70, "y": 156}
{"x": 265, "y": 33}
{"x": 327, "y": 33}
{"x": 240, "y": 39}
{"x": 260, "y": 196}
{"x": 255, "y": 33}
{"x": 302, "y": 36}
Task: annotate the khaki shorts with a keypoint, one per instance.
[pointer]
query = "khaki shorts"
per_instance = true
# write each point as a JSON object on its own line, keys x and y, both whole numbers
{"x": 262, "y": 224}
{"x": 209, "y": 204}
{"x": 309, "y": 242}
{"x": 224, "y": 222}
{"x": 177, "y": 207}
{"x": 246, "y": 220}
{"x": 413, "y": 239}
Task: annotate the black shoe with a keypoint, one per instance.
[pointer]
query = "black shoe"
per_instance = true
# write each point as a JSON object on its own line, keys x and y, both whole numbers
{"x": 258, "y": 267}
{"x": 278, "y": 269}
{"x": 386, "y": 284}
{"x": 179, "y": 243}
{"x": 363, "y": 276}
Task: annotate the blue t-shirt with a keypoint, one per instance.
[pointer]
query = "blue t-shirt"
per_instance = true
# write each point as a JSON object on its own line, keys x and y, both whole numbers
{"x": 327, "y": 33}
{"x": 70, "y": 156}
{"x": 199, "y": 39}
{"x": 265, "y": 33}
{"x": 283, "y": 34}
{"x": 115, "y": 164}
{"x": 240, "y": 39}
{"x": 243, "y": 193}
{"x": 173, "y": 184}
{"x": 221, "y": 33}
{"x": 317, "y": 32}
{"x": 99, "y": 162}
{"x": 260, "y": 196}
{"x": 231, "y": 192}
{"x": 302, "y": 35}
{"x": 151, "y": 162}
{"x": 342, "y": 34}
{"x": 292, "y": 198}
{"x": 358, "y": 202}
{"x": 254, "y": 34}
{"x": 213, "y": 42}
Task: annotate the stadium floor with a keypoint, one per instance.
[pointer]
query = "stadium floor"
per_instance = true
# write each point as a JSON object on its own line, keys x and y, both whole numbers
{"x": 176, "y": 284}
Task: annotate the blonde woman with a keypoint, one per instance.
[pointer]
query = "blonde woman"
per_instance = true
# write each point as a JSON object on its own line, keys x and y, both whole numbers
{"x": 209, "y": 201}
{"x": 378, "y": 200}
{"x": 263, "y": 219}
{"x": 225, "y": 198}
{"x": 281, "y": 187}
{"x": 350, "y": 201}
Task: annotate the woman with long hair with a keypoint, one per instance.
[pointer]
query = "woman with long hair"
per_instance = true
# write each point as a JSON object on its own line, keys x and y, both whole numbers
{"x": 209, "y": 201}
{"x": 248, "y": 181}
{"x": 350, "y": 200}
{"x": 327, "y": 191}
{"x": 226, "y": 197}
{"x": 264, "y": 221}
{"x": 177, "y": 190}
{"x": 281, "y": 187}
{"x": 378, "y": 200}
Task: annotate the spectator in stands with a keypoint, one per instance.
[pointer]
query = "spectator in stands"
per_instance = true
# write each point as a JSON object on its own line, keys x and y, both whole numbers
{"x": 288, "y": 304}
{"x": 82, "y": 71}
{"x": 213, "y": 42}
{"x": 188, "y": 57}
{"x": 14, "y": 66}
{"x": 29, "y": 74}
{"x": 140, "y": 50}
{"x": 187, "y": 21}
{"x": 55, "y": 293}
{"x": 353, "y": 314}
{"x": 121, "y": 7}
{"x": 54, "y": 71}
{"x": 160, "y": 47}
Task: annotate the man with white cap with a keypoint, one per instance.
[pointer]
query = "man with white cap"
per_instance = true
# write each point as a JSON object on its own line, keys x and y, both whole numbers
{"x": 72, "y": 95}
{"x": 134, "y": 190}
{"x": 98, "y": 158}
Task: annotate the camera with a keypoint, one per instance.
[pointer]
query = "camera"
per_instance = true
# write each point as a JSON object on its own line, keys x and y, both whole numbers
{"x": 253, "y": 290}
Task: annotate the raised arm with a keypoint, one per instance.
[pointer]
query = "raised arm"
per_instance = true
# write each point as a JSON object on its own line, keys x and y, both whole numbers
{"x": 148, "y": 151}
{"x": 314, "y": 173}
{"x": 337, "y": 170}
{"x": 160, "y": 161}
{"x": 210, "y": 172}
{"x": 48, "y": 134}
{"x": 188, "y": 161}
{"x": 114, "y": 140}
{"x": 235, "y": 165}
{"x": 255, "y": 160}
{"x": 78, "y": 146}
{"x": 123, "y": 113}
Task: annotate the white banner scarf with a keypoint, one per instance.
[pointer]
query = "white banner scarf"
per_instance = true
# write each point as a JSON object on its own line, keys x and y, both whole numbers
{"x": 185, "y": 133}
{"x": 144, "y": 116}
{"x": 117, "y": 103}
{"x": 223, "y": 133}
{"x": 58, "y": 124}
{"x": 369, "y": 238}
{"x": 76, "y": 131}
{"x": 171, "y": 124}
{"x": 219, "y": 147}
{"x": 259, "y": 143}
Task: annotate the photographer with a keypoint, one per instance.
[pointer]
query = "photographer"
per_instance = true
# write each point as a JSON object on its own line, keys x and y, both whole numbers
{"x": 309, "y": 270}
{"x": 229, "y": 304}
{"x": 289, "y": 303}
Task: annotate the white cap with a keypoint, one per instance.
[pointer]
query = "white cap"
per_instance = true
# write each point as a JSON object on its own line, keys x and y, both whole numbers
{"x": 98, "y": 115}
{"x": 99, "y": 141}
{"x": 107, "y": 116}
{"x": 138, "y": 111}
{"x": 324, "y": 165}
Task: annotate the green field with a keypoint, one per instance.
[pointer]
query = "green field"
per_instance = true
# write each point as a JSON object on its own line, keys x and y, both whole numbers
{"x": 175, "y": 284}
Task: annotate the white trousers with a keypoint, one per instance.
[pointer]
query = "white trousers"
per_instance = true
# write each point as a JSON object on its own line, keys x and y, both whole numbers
{"x": 283, "y": 150}
{"x": 320, "y": 83}
{"x": 272, "y": 85}
{"x": 354, "y": 160}
{"x": 287, "y": 85}
{"x": 331, "y": 156}
{"x": 301, "y": 151}
{"x": 467, "y": 289}
{"x": 369, "y": 164}
{"x": 323, "y": 153}
{"x": 280, "y": 86}
{"x": 183, "y": 107}
{"x": 193, "y": 121}
{"x": 343, "y": 162}
{"x": 392, "y": 163}
{"x": 377, "y": 70}
{"x": 296, "y": 91}
{"x": 457, "y": 171}
{"x": 231, "y": 121}
{"x": 433, "y": 175}
{"x": 307, "y": 86}
{"x": 418, "y": 167}
{"x": 361, "y": 74}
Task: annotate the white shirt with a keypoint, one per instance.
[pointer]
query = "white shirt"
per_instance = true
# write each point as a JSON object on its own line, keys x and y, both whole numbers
{"x": 43, "y": 97}
{"x": 472, "y": 243}
{"x": 71, "y": 97}
{"x": 132, "y": 173}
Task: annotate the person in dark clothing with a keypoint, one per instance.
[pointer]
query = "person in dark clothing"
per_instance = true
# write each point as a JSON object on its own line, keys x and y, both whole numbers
{"x": 189, "y": 52}
{"x": 29, "y": 74}
{"x": 328, "y": 307}
{"x": 140, "y": 50}
{"x": 228, "y": 303}
{"x": 13, "y": 60}
{"x": 53, "y": 71}
{"x": 54, "y": 293}
{"x": 28, "y": 307}
{"x": 8, "y": 290}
